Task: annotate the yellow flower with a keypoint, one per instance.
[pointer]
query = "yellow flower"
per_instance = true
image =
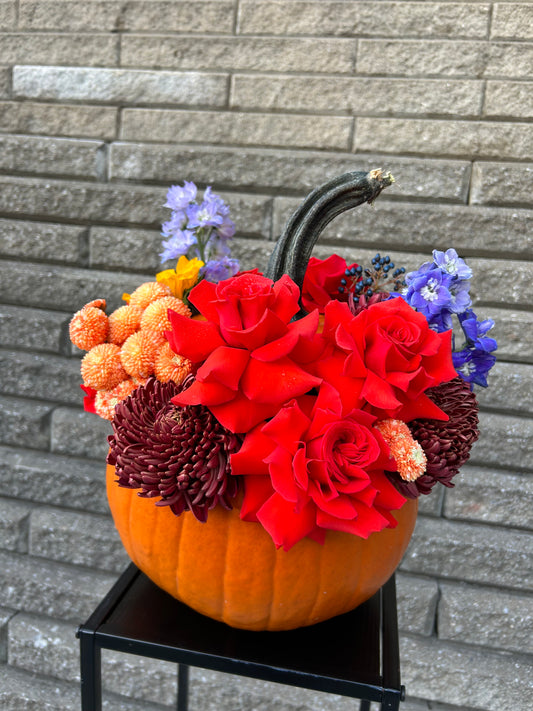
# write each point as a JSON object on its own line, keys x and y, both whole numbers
{"x": 183, "y": 277}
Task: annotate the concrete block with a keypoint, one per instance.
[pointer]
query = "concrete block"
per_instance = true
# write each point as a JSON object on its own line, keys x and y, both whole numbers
{"x": 79, "y": 434}
{"x": 64, "y": 288}
{"x": 35, "y": 329}
{"x": 21, "y": 239}
{"x": 196, "y": 16}
{"x": 471, "y": 552}
{"x": 25, "y": 423}
{"x": 53, "y": 479}
{"x": 231, "y": 54}
{"x": 8, "y": 14}
{"x": 453, "y": 139}
{"x": 501, "y": 184}
{"x": 486, "y": 617}
{"x": 270, "y": 170}
{"x": 512, "y": 21}
{"x": 58, "y": 119}
{"x": 379, "y": 97}
{"x": 451, "y": 58}
{"x": 511, "y": 388}
{"x": 58, "y": 156}
{"x": 486, "y": 283}
{"x": 390, "y": 19}
{"x": 22, "y": 691}
{"x": 431, "y": 504}
{"x": 96, "y": 50}
{"x": 417, "y": 604}
{"x": 283, "y": 130}
{"x": 128, "y": 249}
{"x": 253, "y": 253}
{"x": 48, "y": 588}
{"x": 513, "y": 328}
{"x": 491, "y": 496}
{"x": 5, "y": 82}
{"x": 423, "y": 227}
{"x": 82, "y": 201}
{"x": 5, "y": 616}
{"x": 81, "y": 539}
{"x": 444, "y": 672}
{"x": 48, "y": 647}
{"x": 44, "y": 376}
{"x": 213, "y": 691}
{"x": 503, "y": 442}
{"x": 508, "y": 99}
{"x": 119, "y": 85}
{"x": 14, "y": 524}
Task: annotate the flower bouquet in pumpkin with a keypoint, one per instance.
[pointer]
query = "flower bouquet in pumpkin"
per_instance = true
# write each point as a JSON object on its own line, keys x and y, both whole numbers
{"x": 270, "y": 439}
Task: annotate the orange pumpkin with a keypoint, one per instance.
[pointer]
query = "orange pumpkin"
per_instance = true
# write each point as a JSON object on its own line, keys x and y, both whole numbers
{"x": 230, "y": 569}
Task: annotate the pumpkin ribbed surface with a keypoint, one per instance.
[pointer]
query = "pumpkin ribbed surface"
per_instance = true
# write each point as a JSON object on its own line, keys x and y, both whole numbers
{"x": 231, "y": 571}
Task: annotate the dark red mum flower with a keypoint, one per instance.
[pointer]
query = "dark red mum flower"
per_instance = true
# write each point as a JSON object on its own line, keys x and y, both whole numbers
{"x": 446, "y": 444}
{"x": 178, "y": 453}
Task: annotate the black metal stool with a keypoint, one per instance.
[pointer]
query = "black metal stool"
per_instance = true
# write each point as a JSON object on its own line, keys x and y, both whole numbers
{"x": 355, "y": 654}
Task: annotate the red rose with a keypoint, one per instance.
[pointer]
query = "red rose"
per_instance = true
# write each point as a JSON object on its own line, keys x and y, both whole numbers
{"x": 322, "y": 281}
{"x": 385, "y": 358}
{"x": 313, "y": 468}
{"x": 247, "y": 349}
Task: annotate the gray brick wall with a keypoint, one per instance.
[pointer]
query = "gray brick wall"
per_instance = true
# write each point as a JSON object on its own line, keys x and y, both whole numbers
{"x": 103, "y": 105}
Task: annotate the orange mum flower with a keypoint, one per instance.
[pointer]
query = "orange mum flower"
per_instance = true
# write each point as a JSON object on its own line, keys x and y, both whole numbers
{"x": 171, "y": 366}
{"x": 101, "y": 367}
{"x": 155, "y": 319}
{"x": 408, "y": 453}
{"x": 123, "y": 322}
{"x": 138, "y": 353}
{"x": 105, "y": 400}
{"x": 148, "y": 292}
{"x": 88, "y": 327}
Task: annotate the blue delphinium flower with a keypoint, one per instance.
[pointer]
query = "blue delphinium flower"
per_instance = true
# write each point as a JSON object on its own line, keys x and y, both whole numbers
{"x": 428, "y": 291}
{"x": 475, "y": 360}
{"x": 450, "y": 263}
{"x": 200, "y": 230}
{"x": 473, "y": 364}
{"x": 440, "y": 288}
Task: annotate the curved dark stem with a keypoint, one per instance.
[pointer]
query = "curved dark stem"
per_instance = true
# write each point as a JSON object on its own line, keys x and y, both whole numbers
{"x": 295, "y": 245}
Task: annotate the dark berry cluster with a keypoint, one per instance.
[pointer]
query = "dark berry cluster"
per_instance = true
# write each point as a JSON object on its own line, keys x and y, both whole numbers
{"x": 359, "y": 280}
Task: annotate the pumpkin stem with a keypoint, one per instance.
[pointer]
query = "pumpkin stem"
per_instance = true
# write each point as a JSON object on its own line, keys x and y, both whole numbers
{"x": 293, "y": 249}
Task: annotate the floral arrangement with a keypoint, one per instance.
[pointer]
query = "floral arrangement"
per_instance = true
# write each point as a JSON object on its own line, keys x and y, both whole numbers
{"x": 222, "y": 392}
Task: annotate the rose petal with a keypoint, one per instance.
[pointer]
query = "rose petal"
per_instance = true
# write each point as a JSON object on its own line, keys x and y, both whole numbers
{"x": 224, "y": 365}
{"x": 192, "y": 339}
{"x": 257, "y": 490}
{"x": 277, "y": 382}
{"x": 285, "y": 526}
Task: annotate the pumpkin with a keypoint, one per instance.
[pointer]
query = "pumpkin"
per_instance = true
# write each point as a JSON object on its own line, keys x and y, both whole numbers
{"x": 230, "y": 569}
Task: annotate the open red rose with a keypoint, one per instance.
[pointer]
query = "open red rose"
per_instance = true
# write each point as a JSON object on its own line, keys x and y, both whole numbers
{"x": 322, "y": 280}
{"x": 314, "y": 467}
{"x": 384, "y": 359}
{"x": 247, "y": 350}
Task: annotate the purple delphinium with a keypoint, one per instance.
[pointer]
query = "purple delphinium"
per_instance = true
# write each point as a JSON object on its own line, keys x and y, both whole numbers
{"x": 218, "y": 270}
{"x": 179, "y": 197}
{"x": 199, "y": 229}
{"x": 177, "y": 245}
{"x": 475, "y": 331}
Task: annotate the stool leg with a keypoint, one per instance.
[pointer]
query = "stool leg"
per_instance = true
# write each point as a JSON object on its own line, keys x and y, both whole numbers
{"x": 364, "y": 705}
{"x": 91, "y": 673}
{"x": 183, "y": 687}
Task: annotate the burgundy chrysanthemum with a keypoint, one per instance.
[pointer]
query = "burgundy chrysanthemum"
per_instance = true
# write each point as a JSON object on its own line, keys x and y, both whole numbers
{"x": 446, "y": 444}
{"x": 178, "y": 453}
